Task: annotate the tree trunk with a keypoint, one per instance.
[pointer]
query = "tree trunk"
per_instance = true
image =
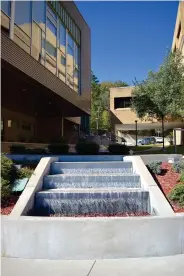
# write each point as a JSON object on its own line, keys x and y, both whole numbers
{"x": 163, "y": 147}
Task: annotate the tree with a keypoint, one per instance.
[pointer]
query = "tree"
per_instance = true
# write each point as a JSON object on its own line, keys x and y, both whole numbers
{"x": 161, "y": 94}
{"x": 100, "y": 115}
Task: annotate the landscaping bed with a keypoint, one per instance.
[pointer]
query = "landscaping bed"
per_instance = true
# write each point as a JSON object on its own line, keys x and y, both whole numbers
{"x": 167, "y": 180}
{"x": 8, "y": 205}
{"x": 138, "y": 214}
{"x": 13, "y": 181}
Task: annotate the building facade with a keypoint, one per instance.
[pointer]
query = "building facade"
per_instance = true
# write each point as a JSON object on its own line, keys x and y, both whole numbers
{"x": 124, "y": 119}
{"x": 46, "y": 71}
{"x": 178, "y": 38}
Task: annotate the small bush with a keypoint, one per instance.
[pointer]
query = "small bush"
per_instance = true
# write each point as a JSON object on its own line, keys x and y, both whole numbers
{"x": 177, "y": 194}
{"x": 6, "y": 167}
{"x": 24, "y": 173}
{"x": 87, "y": 147}
{"x": 17, "y": 149}
{"x": 5, "y": 189}
{"x": 182, "y": 177}
{"x": 178, "y": 166}
{"x": 155, "y": 167}
{"x": 58, "y": 148}
{"x": 36, "y": 151}
{"x": 118, "y": 149}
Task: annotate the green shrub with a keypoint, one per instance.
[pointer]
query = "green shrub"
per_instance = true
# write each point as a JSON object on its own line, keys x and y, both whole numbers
{"x": 17, "y": 149}
{"x": 182, "y": 177}
{"x": 118, "y": 149}
{"x": 177, "y": 194}
{"x": 155, "y": 167}
{"x": 87, "y": 147}
{"x": 5, "y": 189}
{"x": 58, "y": 148}
{"x": 36, "y": 151}
{"x": 6, "y": 167}
{"x": 178, "y": 166}
{"x": 25, "y": 172}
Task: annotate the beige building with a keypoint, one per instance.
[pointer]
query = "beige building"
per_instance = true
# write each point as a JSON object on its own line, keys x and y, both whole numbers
{"x": 124, "y": 119}
{"x": 178, "y": 38}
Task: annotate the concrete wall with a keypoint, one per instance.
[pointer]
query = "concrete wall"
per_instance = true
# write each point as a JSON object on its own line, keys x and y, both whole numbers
{"x": 159, "y": 204}
{"x": 26, "y": 201}
{"x": 178, "y": 42}
{"x": 123, "y": 115}
{"x": 92, "y": 238}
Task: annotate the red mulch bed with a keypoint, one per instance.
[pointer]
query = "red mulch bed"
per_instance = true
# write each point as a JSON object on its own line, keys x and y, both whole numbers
{"x": 167, "y": 181}
{"x": 141, "y": 214}
{"x": 7, "y": 207}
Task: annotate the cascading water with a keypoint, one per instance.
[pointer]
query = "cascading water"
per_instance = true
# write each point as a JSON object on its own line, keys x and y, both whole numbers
{"x": 89, "y": 189}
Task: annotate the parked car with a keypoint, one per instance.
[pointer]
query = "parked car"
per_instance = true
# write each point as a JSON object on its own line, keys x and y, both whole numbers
{"x": 148, "y": 141}
{"x": 159, "y": 139}
{"x": 153, "y": 140}
{"x": 139, "y": 142}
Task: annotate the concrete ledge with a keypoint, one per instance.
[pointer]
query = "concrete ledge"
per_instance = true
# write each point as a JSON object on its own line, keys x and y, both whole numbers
{"x": 26, "y": 200}
{"x": 160, "y": 266}
{"x": 159, "y": 202}
{"x": 92, "y": 238}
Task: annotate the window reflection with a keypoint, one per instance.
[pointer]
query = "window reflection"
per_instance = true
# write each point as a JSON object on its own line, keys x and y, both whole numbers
{"x": 39, "y": 14}
{"x": 41, "y": 33}
{"x": 23, "y": 16}
{"x": 62, "y": 38}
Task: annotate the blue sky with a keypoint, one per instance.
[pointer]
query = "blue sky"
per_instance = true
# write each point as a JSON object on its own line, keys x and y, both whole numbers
{"x": 128, "y": 38}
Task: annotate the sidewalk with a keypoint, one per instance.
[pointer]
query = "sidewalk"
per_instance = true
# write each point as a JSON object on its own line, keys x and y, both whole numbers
{"x": 153, "y": 266}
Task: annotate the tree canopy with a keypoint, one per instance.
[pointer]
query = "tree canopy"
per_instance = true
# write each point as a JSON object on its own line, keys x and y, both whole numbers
{"x": 161, "y": 94}
{"x": 100, "y": 115}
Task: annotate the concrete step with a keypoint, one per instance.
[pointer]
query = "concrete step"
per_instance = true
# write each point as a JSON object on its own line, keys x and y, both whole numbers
{"x": 90, "y": 158}
{"x": 91, "y": 181}
{"x": 90, "y": 201}
{"x": 91, "y": 167}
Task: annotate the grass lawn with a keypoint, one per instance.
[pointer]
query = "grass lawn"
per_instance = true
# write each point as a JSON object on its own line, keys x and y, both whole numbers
{"x": 179, "y": 149}
{"x": 157, "y": 149}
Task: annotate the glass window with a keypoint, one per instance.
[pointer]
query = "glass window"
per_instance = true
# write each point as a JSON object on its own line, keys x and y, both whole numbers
{"x": 70, "y": 41}
{"x": 39, "y": 13}
{"x": 50, "y": 49}
{"x": 53, "y": 14}
{"x": 122, "y": 102}
{"x": 70, "y": 51}
{"x": 36, "y": 42}
{"x": 5, "y": 6}
{"x": 51, "y": 27}
{"x": 76, "y": 55}
{"x": 62, "y": 35}
{"x": 51, "y": 38}
{"x": 63, "y": 60}
{"x": 23, "y": 15}
{"x": 50, "y": 64}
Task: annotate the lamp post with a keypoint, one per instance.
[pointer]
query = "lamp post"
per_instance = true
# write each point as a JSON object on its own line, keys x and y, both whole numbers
{"x": 136, "y": 131}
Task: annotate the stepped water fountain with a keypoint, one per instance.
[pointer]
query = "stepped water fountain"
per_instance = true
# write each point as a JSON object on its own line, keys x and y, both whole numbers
{"x": 92, "y": 188}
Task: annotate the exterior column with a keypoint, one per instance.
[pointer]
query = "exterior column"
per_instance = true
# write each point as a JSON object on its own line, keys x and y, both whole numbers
{"x": 12, "y": 20}
{"x": 62, "y": 126}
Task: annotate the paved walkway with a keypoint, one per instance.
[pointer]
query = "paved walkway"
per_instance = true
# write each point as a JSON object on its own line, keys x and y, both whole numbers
{"x": 154, "y": 266}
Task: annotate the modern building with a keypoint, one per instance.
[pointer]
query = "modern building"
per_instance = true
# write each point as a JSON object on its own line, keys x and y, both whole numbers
{"x": 125, "y": 120}
{"x": 178, "y": 38}
{"x": 46, "y": 71}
